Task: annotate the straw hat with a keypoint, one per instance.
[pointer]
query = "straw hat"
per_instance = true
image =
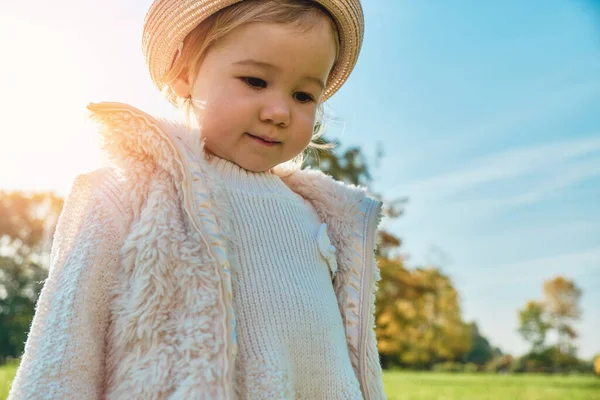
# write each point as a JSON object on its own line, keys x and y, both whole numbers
{"x": 168, "y": 22}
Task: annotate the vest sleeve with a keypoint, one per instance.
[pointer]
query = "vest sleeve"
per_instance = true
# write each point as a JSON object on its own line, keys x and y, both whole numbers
{"x": 65, "y": 349}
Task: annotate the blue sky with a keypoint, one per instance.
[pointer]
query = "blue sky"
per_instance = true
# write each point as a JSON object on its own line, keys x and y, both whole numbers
{"x": 489, "y": 113}
{"x": 490, "y": 116}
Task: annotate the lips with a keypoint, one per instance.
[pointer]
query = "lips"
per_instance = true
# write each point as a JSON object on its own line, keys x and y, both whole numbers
{"x": 263, "y": 139}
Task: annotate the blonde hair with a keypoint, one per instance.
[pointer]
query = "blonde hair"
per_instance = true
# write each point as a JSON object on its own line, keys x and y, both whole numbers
{"x": 303, "y": 14}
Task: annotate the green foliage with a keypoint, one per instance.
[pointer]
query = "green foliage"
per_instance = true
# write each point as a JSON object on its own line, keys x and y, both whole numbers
{"x": 26, "y": 225}
{"x": 499, "y": 364}
{"x": 455, "y": 367}
{"x": 20, "y": 284}
{"x": 349, "y": 166}
{"x": 551, "y": 360}
{"x": 448, "y": 367}
{"x": 481, "y": 351}
{"x": 471, "y": 368}
{"x": 533, "y": 324}
{"x": 27, "y": 221}
{"x": 558, "y": 311}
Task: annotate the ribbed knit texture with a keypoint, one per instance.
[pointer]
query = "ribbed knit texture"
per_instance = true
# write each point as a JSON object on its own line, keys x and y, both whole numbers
{"x": 290, "y": 333}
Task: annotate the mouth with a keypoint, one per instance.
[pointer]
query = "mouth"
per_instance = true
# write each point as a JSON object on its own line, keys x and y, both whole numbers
{"x": 263, "y": 141}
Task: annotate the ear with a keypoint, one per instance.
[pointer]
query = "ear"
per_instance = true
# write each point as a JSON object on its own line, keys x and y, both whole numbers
{"x": 181, "y": 85}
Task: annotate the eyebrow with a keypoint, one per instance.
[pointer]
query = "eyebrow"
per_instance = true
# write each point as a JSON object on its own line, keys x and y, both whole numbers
{"x": 265, "y": 65}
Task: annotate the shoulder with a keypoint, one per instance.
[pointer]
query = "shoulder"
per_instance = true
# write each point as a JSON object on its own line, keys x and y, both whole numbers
{"x": 99, "y": 193}
{"x": 103, "y": 186}
{"x": 93, "y": 223}
{"x": 314, "y": 183}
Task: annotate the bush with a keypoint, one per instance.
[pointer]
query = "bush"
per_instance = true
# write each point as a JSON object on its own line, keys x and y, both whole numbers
{"x": 584, "y": 367}
{"x": 549, "y": 360}
{"x": 519, "y": 365}
{"x": 500, "y": 364}
{"x": 448, "y": 366}
{"x": 471, "y": 368}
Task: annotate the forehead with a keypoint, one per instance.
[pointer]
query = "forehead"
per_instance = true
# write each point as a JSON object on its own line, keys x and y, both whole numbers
{"x": 288, "y": 47}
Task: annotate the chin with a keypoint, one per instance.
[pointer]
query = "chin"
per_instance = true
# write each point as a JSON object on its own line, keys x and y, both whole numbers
{"x": 255, "y": 166}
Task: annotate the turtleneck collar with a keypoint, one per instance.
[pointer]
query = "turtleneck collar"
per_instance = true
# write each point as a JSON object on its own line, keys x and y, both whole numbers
{"x": 238, "y": 178}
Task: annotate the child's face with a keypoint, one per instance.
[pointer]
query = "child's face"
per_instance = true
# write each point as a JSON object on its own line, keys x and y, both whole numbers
{"x": 262, "y": 80}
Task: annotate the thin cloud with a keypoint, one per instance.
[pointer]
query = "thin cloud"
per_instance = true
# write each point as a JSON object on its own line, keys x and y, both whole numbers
{"x": 574, "y": 265}
{"x": 502, "y": 166}
{"x": 525, "y": 109}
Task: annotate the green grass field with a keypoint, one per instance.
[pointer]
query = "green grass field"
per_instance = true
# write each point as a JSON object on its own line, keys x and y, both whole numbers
{"x": 7, "y": 374}
{"x": 438, "y": 386}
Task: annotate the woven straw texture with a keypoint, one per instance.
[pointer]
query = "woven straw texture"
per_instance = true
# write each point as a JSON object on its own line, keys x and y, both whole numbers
{"x": 168, "y": 22}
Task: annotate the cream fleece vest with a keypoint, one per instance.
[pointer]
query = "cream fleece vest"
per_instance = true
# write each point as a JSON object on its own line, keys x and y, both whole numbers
{"x": 139, "y": 302}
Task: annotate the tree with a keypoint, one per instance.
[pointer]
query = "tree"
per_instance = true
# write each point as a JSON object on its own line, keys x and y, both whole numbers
{"x": 349, "y": 166}
{"x": 533, "y": 325}
{"x": 481, "y": 351}
{"x": 559, "y": 308}
{"x": 597, "y": 365}
{"x": 449, "y": 337}
{"x": 394, "y": 311}
{"x": 26, "y": 225}
{"x": 561, "y": 299}
{"x": 27, "y": 222}
{"x": 20, "y": 285}
{"x": 418, "y": 318}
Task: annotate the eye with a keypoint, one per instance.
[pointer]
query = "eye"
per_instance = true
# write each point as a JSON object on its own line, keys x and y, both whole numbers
{"x": 255, "y": 83}
{"x": 303, "y": 97}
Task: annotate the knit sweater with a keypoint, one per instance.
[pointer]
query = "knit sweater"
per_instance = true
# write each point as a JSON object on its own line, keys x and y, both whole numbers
{"x": 289, "y": 328}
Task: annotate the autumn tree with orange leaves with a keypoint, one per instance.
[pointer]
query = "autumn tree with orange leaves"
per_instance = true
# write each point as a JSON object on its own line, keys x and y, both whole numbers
{"x": 561, "y": 300}
{"x": 557, "y": 312}
{"x": 418, "y": 317}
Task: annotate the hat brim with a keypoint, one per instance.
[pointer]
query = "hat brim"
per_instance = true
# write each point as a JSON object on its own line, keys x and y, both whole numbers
{"x": 168, "y": 22}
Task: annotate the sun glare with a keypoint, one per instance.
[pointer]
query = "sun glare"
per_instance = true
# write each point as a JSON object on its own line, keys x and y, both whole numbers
{"x": 43, "y": 140}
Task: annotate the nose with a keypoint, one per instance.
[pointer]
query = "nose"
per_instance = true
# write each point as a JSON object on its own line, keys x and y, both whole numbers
{"x": 277, "y": 112}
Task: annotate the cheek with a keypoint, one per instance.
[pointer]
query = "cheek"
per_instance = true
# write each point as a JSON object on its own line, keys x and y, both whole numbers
{"x": 306, "y": 122}
{"x": 228, "y": 101}
{"x": 226, "y": 117}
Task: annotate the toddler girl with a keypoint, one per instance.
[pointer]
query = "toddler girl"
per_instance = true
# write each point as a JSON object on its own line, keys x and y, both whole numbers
{"x": 205, "y": 263}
